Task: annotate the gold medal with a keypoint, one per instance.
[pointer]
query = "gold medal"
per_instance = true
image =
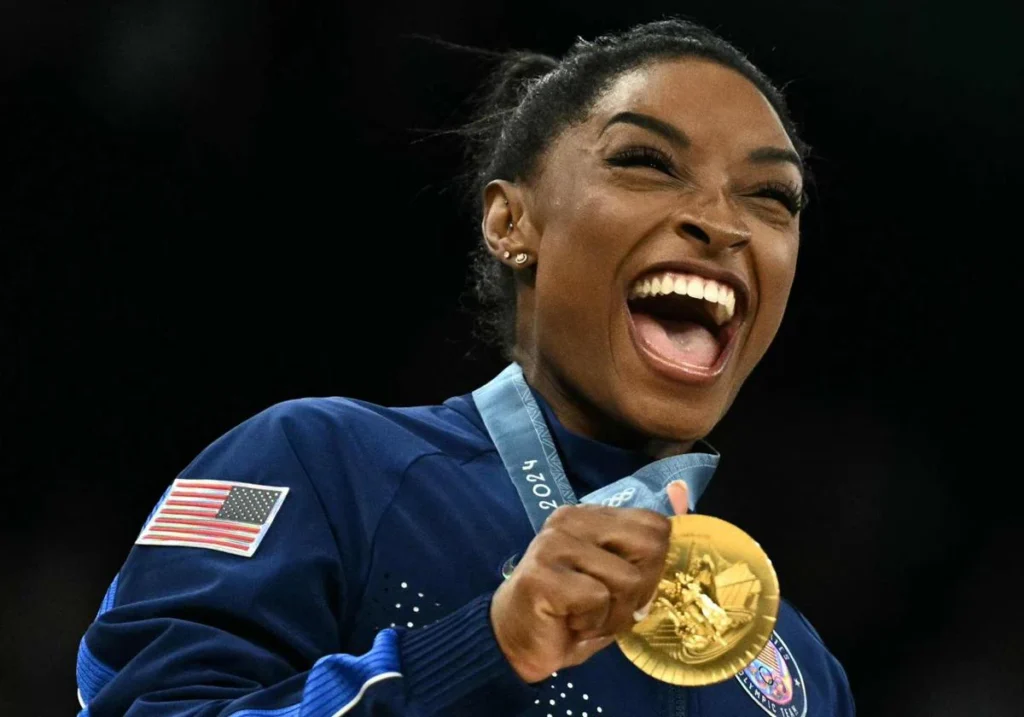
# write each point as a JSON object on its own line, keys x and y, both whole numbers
{"x": 715, "y": 608}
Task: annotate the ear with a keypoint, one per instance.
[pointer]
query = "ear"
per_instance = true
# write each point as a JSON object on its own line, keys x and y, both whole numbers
{"x": 502, "y": 211}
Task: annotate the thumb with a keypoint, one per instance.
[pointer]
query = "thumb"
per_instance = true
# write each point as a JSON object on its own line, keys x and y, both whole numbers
{"x": 679, "y": 497}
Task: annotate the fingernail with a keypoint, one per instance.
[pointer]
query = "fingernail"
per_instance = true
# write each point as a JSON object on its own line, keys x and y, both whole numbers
{"x": 643, "y": 612}
{"x": 680, "y": 503}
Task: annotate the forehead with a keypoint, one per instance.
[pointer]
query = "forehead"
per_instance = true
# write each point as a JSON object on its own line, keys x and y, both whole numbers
{"x": 711, "y": 103}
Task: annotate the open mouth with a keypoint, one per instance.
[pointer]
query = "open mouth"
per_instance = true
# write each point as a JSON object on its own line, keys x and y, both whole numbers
{"x": 683, "y": 322}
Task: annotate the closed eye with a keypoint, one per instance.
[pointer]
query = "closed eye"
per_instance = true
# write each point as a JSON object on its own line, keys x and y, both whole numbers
{"x": 792, "y": 198}
{"x": 643, "y": 156}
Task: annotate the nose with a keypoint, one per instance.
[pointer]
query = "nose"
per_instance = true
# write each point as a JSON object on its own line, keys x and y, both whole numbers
{"x": 714, "y": 221}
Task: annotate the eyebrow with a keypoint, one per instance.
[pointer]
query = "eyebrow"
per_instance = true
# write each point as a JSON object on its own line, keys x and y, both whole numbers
{"x": 673, "y": 134}
{"x": 771, "y": 155}
{"x": 761, "y": 155}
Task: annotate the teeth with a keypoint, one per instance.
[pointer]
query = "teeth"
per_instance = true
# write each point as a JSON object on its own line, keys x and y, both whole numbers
{"x": 710, "y": 291}
{"x": 721, "y": 296}
{"x": 721, "y": 314}
{"x": 696, "y": 288}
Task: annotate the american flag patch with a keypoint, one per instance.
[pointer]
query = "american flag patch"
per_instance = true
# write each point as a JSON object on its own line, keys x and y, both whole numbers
{"x": 215, "y": 514}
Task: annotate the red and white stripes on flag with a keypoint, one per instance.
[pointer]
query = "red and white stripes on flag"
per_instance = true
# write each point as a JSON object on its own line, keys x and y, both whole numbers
{"x": 214, "y": 514}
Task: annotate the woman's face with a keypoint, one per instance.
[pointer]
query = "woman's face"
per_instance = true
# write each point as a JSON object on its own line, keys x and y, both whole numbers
{"x": 681, "y": 184}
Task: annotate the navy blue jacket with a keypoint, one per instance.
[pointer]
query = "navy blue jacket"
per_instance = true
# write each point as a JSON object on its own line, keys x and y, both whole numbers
{"x": 370, "y": 591}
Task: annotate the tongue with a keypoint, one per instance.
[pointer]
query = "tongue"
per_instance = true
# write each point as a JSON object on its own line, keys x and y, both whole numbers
{"x": 681, "y": 342}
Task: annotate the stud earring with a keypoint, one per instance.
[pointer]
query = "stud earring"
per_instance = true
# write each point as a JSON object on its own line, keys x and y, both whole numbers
{"x": 508, "y": 254}
{"x": 511, "y": 225}
{"x": 522, "y": 257}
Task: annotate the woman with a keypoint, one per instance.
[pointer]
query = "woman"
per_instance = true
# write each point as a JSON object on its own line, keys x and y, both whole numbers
{"x": 640, "y": 204}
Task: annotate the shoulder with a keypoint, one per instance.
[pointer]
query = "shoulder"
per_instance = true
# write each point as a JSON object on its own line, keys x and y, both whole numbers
{"x": 384, "y": 437}
{"x": 350, "y": 455}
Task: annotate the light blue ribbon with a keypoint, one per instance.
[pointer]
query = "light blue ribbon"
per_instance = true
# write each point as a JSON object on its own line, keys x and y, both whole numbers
{"x": 516, "y": 425}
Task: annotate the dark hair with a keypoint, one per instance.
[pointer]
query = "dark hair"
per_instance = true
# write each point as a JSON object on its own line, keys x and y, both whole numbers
{"x": 531, "y": 98}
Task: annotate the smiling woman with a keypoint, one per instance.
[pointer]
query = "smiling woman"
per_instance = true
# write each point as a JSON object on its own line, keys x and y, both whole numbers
{"x": 639, "y": 204}
{"x": 676, "y": 163}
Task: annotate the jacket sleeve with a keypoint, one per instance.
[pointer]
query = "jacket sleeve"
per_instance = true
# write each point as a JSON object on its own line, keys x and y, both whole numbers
{"x": 844, "y": 695}
{"x": 836, "y": 683}
{"x": 196, "y": 631}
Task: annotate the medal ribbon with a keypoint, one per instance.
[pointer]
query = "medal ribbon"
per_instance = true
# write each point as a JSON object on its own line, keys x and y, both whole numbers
{"x": 517, "y": 428}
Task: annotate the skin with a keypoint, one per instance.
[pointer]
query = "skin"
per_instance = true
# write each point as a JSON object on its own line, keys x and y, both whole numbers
{"x": 589, "y": 230}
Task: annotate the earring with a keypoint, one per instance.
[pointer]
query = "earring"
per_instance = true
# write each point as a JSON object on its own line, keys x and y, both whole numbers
{"x": 522, "y": 257}
{"x": 508, "y": 254}
{"x": 511, "y": 225}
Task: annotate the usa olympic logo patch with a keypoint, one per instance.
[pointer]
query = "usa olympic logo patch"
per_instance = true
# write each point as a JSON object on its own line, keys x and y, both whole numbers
{"x": 774, "y": 682}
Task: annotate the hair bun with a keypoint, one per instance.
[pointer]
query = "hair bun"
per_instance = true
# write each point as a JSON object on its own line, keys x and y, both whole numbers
{"x": 513, "y": 77}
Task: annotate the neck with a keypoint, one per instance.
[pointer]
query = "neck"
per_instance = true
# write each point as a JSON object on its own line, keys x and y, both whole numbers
{"x": 583, "y": 417}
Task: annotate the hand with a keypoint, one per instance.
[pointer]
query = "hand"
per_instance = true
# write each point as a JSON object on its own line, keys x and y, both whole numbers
{"x": 582, "y": 578}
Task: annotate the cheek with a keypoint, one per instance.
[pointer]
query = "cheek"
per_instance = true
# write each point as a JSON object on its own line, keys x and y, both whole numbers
{"x": 592, "y": 227}
{"x": 776, "y": 268}
{"x": 569, "y": 286}
{"x": 587, "y": 225}
{"x": 580, "y": 251}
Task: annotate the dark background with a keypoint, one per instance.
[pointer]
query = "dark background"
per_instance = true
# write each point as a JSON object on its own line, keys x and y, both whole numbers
{"x": 212, "y": 207}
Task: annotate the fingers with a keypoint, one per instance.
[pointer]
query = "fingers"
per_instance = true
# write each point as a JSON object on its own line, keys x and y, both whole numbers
{"x": 622, "y": 549}
{"x": 628, "y": 586}
{"x": 581, "y": 599}
{"x": 580, "y": 581}
{"x": 639, "y": 536}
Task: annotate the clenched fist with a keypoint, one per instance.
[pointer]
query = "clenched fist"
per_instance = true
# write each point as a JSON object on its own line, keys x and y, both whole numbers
{"x": 582, "y": 578}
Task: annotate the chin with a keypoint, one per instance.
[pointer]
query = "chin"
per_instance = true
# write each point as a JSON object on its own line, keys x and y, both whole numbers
{"x": 671, "y": 417}
{"x": 663, "y": 398}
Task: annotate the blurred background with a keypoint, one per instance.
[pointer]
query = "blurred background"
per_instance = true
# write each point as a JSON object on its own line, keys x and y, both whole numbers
{"x": 213, "y": 207}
